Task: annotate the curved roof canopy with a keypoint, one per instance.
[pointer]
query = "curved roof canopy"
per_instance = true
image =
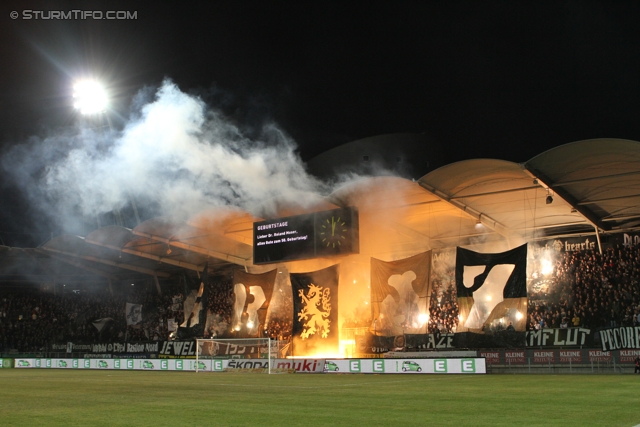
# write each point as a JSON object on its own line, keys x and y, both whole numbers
{"x": 600, "y": 178}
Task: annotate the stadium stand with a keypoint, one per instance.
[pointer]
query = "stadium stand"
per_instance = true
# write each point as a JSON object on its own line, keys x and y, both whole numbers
{"x": 588, "y": 289}
{"x": 591, "y": 290}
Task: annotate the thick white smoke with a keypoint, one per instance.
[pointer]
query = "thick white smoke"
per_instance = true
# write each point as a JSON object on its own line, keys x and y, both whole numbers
{"x": 178, "y": 155}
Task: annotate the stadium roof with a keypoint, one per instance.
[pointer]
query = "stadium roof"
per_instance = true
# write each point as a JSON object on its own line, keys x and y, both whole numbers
{"x": 574, "y": 189}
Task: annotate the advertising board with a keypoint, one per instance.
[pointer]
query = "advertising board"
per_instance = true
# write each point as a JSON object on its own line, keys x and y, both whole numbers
{"x": 406, "y": 366}
{"x": 373, "y": 366}
{"x": 24, "y": 363}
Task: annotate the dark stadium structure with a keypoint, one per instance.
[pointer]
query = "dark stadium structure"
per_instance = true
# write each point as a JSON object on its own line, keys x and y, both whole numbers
{"x": 402, "y": 155}
{"x": 583, "y": 191}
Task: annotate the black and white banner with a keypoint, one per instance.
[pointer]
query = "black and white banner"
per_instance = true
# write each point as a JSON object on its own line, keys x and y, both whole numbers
{"x": 492, "y": 298}
{"x": 125, "y": 347}
{"x": 400, "y": 295}
{"x": 619, "y": 338}
{"x": 252, "y": 298}
{"x": 101, "y": 323}
{"x": 226, "y": 349}
{"x": 133, "y": 312}
{"x": 559, "y": 337}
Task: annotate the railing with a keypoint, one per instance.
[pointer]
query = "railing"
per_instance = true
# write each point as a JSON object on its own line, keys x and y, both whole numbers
{"x": 611, "y": 367}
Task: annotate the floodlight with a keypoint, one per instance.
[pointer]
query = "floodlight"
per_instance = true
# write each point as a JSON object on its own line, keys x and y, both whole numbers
{"x": 90, "y": 96}
{"x": 549, "y": 199}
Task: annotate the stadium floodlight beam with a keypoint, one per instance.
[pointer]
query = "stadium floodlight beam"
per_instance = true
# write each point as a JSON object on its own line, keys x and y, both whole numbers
{"x": 91, "y": 98}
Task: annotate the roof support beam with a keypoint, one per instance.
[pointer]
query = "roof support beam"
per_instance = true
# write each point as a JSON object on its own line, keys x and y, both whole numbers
{"x": 477, "y": 215}
{"x": 594, "y": 178}
{"x": 78, "y": 264}
{"x": 158, "y": 288}
{"x": 192, "y": 248}
{"x": 493, "y": 193}
{"x": 609, "y": 199}
{"x": 463, "y": 236}
{"x": 560, "y": 236}
{"x": 565, "y": 224}
{"x": 598, "y": 238}
{"x": 30, "y": 279}
{"x": 567, "y": 197}
{"x": 111, "y": 263}
{"x": 620, "y": 218}
{"x": 238, "y": 237}
{"x": 146, "y": 255}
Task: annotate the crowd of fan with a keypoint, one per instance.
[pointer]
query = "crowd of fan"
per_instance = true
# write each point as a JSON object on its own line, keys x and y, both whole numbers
{"x": 279, "y": 328}
{"x": 443, "y": 312}
{"x": 29, "y": 321}
{"x": 220, "y": 298}
{"x": 156, "y": 310}
{"x": 587, "y": 289}
{"x": 220, "y": 313}
{"x": 591, "y": 290}
{"x": 280, "y": 320}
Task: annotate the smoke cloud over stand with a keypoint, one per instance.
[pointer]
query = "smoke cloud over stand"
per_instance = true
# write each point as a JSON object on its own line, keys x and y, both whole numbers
{"x": 177, "y": 155}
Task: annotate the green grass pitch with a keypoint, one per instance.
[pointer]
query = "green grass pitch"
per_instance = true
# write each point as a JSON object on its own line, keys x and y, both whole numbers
{"x": 39, "y": 397}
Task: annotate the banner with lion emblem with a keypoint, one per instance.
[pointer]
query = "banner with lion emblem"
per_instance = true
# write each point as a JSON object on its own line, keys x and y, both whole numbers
{"x": 315, "y": 311}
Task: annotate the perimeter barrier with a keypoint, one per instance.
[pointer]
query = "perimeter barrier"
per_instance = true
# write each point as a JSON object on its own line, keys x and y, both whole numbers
{"x": 469, "y": 365}
{"x": 557, "y": 361}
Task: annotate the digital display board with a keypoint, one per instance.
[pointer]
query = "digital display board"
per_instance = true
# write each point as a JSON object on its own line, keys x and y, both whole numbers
{"x": 317, "y": 234}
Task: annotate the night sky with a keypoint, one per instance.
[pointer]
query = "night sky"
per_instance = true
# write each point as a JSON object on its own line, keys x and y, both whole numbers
{"x": 504, "y": 80}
